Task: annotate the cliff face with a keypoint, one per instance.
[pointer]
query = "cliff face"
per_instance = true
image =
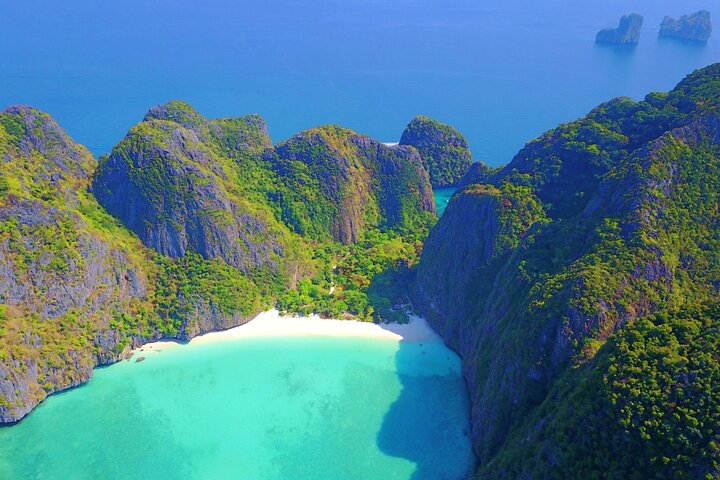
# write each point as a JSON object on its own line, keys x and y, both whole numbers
{"x": 184, "y": 183}
{"x": 76, "y": 288}
{"x": 209, "y": 225}
{"x": 168, "y": 182}
{"x": 63, "y": 276}
{"x": 696, "y": 27}
{"x": 620, "y": 402}
{"x": 591, "y": 227}
{"x": 443, "y": 149}
{"x": 341, "y": 184}
{"x": 626, "y": 33}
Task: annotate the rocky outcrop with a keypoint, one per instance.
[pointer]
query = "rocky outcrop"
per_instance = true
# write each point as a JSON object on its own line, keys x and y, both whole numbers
{"x": 443, "y": 149}
{"x": 219, "y": 215}
{"x": 167, "y": 183}
{"x": 626, "y": 33}
{"x": 187, "y": 184}
{"x": 530, "y": 273}
{"x": 477, "y": 173}
{"x": 341, "y": 184}
{"x": 61, "y": 279}
{"x": 696, "y": 27}
{"x": 78, "y": 290}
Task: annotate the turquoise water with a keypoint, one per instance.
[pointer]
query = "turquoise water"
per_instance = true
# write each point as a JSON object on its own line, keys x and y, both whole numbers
{"x": 442, "y": 198}
{"x": 502, "y": 72}
{"x": 274, "y": 408}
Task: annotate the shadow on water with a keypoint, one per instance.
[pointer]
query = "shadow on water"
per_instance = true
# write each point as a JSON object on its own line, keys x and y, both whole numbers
{"x": 616, "y": 52}
{"x": 680, "y": 48}
{"x": 429, "y": 422}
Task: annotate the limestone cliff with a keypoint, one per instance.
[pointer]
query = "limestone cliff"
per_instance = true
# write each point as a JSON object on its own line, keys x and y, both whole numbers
{"x": 208, "y": 227}
{"x": 342, "y": 184}
{"x": 168, "y": 182}
{"x": 63, "y": 279}
{"x": 696, "y": 27}
{"x": 591, "y": 227}
{"x": 626, "y": 33}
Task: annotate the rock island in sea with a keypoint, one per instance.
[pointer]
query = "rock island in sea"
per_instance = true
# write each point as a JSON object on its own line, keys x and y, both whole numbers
{"x": 696, "y": 27}
{"x": 626, "y": 33}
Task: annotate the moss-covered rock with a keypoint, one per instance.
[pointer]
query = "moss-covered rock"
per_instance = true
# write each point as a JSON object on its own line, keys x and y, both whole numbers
{"x": 340, "y": 184}
{"x": 443, "y": 149}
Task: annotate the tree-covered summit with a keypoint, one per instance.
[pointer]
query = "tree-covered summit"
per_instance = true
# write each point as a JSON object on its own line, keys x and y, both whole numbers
{"x": 444, "y": 150}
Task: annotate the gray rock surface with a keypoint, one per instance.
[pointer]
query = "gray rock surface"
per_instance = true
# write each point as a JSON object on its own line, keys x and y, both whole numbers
{"x": 626, "y": 33}
{"x": 696, "y": 27}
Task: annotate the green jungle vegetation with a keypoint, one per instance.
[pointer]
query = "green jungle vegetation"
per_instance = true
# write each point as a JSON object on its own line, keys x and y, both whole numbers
{"x": 607, "y": 258}
{"x": 78, "y": 286}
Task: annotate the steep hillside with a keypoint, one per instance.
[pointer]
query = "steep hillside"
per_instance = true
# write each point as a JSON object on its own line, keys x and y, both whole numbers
{"x": 67, "y": 272}
{"x": 339, "y": 184}
{"x": 444, "y": 151}
{"x": 170, "y": 183}
{"x": 198, "y": 240}
{"x": 593, "y": 226}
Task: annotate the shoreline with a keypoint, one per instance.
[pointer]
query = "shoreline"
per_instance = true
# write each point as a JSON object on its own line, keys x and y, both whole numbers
{"x": 271, "y": 324}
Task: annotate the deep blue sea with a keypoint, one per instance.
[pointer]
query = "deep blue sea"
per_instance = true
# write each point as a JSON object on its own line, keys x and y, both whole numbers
{"x": 500, "y": 71}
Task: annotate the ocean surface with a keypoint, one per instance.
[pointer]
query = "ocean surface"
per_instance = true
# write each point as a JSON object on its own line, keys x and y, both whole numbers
{"x": 502, "y": 72}
{"x": 301, "y": 408}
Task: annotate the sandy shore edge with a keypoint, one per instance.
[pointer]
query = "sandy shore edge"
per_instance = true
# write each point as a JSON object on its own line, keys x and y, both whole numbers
{"x": 271, "y": 324}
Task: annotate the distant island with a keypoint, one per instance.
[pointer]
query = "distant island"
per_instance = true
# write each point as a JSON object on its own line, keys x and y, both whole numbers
{"x": 627, "y": 32}
{"x": 696, "y": 27}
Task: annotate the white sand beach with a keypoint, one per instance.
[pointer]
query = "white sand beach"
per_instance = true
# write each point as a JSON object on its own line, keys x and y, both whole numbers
{"x": 272, "y": 324}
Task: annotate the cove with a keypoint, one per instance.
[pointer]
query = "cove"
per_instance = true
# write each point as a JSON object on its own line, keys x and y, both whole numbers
{"x": 303, "y": 407}
{"x": 442, "y": 198}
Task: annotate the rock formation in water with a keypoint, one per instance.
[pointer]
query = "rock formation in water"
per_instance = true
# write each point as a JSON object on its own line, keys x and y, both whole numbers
{"x": 65, "y": 270}
{"x": 580, "y": 286}
{"x": 696, "y": 27}
{"x": 626, "y": 33}
{"x": 189, "y": 225}
{"x": 443, "y": 149}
